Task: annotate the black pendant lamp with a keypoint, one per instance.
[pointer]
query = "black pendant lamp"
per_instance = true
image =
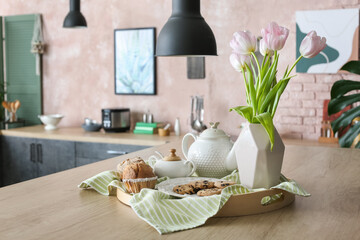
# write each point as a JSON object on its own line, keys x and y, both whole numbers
{"x": 75, "y": 19}
{"x": 186, "y": 33}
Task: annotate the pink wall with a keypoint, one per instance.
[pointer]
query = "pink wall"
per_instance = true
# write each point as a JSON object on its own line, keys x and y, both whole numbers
{"x": 78, "y": 73}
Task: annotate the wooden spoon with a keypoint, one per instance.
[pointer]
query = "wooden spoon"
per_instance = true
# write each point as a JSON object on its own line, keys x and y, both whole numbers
{"x": 12, "y": 107}
{"x": 17, "y": 105}
{"x": 5, "y": 105}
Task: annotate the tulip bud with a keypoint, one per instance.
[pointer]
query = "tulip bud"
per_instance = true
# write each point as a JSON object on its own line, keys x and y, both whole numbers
{"x": 238, "y": 61}
{"x": 312, "y": 45}
{"x": 275, "y": 36}
{"x": 243, "y": 42}
{"x": 264, "y": 49}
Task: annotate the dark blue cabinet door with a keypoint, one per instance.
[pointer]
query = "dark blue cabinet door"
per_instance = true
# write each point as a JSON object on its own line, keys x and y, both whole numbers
{"x": 18, "y": 159}
{"x": 54, "y": 156}
{"x": 87, "y": 152}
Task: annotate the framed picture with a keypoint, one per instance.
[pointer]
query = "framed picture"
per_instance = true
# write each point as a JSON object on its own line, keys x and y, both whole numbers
{"x": 135, "y": 65}
{"x": 341, "y": 29}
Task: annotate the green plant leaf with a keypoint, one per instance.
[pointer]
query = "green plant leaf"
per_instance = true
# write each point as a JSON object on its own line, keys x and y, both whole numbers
{"x": 278, "y": 95}
{"x": 348, "y": 138}
{"x": 252, "y": 90}
{"x": 342, "y": 87}
{"x": 357, "y": 145}
{"x": 245, "y": 111}
{"x": 337, "y": 104}
{"x": 264, "y": 88}
{"x": 273, "y": 92}
{"x": 246, "y": 88}
{"x": 265, "y": 65}
{"x": 266, "y": 121}
{"x": 352, "y": 66}
{"x": 345, "y": 119}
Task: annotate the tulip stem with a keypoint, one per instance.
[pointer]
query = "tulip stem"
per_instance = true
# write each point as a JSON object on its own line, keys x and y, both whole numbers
{"x": 258, "y": 66}
{"x": 246, "y": 88}
{"x": 264, "y": 60}
{"x": 292, "y": 67}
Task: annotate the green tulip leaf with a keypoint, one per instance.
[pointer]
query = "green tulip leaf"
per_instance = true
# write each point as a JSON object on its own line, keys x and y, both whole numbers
{"x": 348, "y": 138}
{"x": 278, "y": 95}
{"x": 273, "y": 92}
{"x": 345, "y": 119}
{"x": 245, "y": 111}
{"x": 266, "y": 121}
{"x": 252, "y": 90}
{"x": 264, "y": 88}
{"x": 338, "y": 104}
{"x": 357, "y": 145}
{"x": 352, "y": 66}
{"x": 342, "y": 87}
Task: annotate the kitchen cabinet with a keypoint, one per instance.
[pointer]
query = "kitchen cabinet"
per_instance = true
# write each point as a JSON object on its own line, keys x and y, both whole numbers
{"x": 87, "y": 152}
{"x": 27, "y": 158}
{"x": 54, "y": 156}
{"x": 18, "y": 160}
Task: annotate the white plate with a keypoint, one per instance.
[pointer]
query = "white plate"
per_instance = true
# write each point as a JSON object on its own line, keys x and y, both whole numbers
{"x": 168, "y": 185}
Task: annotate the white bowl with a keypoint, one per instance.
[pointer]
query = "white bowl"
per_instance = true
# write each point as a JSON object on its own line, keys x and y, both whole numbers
{"x": 50, "y": 121}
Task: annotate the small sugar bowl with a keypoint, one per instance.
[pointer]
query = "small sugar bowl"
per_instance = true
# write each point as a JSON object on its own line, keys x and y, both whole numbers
{"x": 172, "y": 166}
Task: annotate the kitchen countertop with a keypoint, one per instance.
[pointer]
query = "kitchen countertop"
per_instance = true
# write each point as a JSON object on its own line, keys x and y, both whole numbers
{"x": 52, "y": 207}
{"x": 78, "y": 134}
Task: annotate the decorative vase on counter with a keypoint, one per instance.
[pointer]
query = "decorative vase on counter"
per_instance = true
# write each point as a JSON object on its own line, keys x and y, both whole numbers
{"x": 259, "y": 167}
{"x": 259, "y": 149}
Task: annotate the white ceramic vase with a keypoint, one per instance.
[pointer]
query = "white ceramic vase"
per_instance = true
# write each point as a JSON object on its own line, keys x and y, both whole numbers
{"x": 259, "y": 167}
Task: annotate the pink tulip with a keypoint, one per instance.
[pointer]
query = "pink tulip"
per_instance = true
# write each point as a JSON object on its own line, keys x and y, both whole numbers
{"x": 238, "y": 61}
{"x": 243, "y": 42}
{"x": 312, "y": 45}
{"x": 275, "y": 36}
{"x": 264, "y": 49}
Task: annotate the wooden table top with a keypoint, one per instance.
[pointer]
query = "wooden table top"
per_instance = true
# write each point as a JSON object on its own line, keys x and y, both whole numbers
{"x": 52, "y": 207}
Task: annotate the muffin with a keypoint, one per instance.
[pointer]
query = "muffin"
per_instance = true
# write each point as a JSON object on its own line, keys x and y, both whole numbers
{"x": 137, "y": 176}
{"x": 121, "y": 166}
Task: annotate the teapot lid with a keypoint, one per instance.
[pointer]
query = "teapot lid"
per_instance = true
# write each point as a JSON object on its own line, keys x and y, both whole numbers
{"x": 172, "y": 156}
{"x": 213, "y": 132}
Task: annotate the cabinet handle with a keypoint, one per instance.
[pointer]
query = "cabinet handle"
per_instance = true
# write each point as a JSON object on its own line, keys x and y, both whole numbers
{"x": 32, "y": 152}
{"x": 39, "y": 153}
{"x": 112, "y": 152}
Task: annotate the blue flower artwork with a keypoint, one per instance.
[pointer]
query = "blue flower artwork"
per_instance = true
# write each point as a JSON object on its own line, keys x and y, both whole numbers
{"x": 135, "y": 61}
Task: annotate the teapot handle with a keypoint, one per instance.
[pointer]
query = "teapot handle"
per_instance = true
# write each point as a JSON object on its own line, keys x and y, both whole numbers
{"x": 193, "y": 167}
{"x": 185, "y": 144}
{"x": 159, "y": 153}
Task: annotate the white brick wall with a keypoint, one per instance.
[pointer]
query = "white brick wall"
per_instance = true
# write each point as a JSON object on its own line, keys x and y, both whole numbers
{"x": 300, "y": 110}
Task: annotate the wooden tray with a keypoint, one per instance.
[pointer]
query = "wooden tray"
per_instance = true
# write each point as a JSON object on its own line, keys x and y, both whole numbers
{"x": 242, "y": 204}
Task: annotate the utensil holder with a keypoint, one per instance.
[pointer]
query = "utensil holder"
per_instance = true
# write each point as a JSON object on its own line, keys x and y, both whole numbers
{"x": 12, "y": 117}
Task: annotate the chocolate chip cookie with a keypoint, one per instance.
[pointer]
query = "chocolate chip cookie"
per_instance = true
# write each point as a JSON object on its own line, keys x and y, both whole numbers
{"x": 184, "y": 189}
{"x": 209, "y": 192}
{"x": 223, "y": 184}
{"x": 201, "y": 184}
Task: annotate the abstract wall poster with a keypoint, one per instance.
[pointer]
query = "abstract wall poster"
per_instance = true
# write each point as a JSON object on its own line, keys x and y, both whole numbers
{"x": 341, "y": 29}
{"x": 135, "y": 65}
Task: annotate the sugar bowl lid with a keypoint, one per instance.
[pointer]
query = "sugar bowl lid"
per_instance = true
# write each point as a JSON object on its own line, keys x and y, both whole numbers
{"x": 172, "y": 156}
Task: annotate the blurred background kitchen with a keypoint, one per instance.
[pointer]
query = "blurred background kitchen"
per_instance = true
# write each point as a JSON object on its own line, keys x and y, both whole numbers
{"x": 78, "y": 65}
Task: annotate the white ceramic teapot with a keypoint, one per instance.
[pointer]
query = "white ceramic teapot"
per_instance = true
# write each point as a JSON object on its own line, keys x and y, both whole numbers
{"x": 172, "y": 166}
{"x": 212, "y": 152}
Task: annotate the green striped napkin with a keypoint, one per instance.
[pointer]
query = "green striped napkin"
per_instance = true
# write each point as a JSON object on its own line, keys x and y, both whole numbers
{"x": 169, "y": 214}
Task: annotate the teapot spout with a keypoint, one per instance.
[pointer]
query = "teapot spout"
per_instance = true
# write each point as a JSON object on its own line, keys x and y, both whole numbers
{"x": 230, "y": 162}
